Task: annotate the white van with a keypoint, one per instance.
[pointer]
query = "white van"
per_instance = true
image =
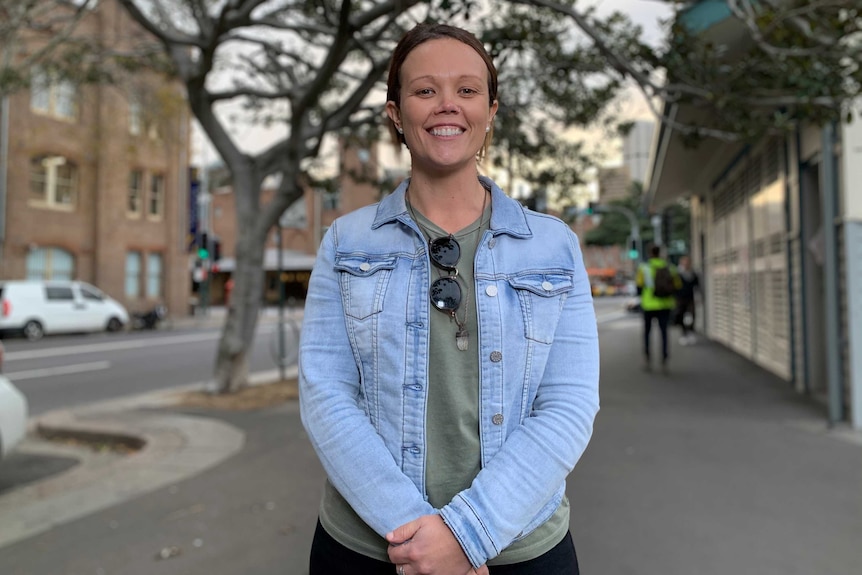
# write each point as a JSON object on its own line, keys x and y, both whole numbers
{"x": 37, "y": 307}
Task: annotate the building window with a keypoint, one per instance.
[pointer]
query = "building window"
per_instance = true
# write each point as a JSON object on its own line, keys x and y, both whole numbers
{"x": 136, "y": 116}
{"x": 153, "y": 130}
{"x": 53, "y": 97}
{"x": 53, "y": 182}
{"x": 154, "y": 275}
{"x": 133, "y": 274}
{"x": 157, "y": 196}
{"x": 330, "y": 200}
{"x": 136, "y": 183}
{"x": 49, "y": 264}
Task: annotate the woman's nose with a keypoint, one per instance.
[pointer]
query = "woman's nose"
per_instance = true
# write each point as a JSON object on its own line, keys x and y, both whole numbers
{"x": 449, "y": 106}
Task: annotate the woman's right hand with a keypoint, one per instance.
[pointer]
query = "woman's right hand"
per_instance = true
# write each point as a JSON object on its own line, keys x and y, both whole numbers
{"x": 426, "y": 546}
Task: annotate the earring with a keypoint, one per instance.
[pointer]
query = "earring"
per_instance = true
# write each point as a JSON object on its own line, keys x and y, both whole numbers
{"x": 399, "y": 129}
{"x": 487, "y": 128}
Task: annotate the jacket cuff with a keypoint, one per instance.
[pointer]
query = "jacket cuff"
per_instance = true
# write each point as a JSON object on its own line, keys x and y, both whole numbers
{"x": 468, "y": 529}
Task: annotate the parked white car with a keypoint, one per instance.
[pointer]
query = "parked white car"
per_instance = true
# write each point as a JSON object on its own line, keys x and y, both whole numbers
{"x": 36, "y": 308}
{"x": 13, "y": 413}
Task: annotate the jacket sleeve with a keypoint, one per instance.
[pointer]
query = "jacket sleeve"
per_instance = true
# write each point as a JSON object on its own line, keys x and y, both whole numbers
{"x": 537, "y": 456}
{"x": 351, "y": 451}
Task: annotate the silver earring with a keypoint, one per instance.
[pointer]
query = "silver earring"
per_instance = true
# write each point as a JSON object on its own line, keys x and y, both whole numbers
{"x": 487, "y": 128}
{"x": 399, "y": 129}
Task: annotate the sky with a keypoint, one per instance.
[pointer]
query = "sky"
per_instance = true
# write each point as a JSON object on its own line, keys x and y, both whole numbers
{"x": 645, "y": 13}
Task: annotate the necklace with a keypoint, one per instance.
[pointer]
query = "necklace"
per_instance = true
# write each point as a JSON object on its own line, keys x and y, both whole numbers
{"x": 461, "y": 335}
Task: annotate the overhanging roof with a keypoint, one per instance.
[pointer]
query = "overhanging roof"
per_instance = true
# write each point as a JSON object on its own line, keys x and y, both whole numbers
{"x": 677, "y": 170}
{"x": 291, "y": 260}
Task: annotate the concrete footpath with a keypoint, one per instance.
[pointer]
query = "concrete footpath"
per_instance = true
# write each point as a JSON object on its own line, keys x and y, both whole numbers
{"x": 716, "y": 467}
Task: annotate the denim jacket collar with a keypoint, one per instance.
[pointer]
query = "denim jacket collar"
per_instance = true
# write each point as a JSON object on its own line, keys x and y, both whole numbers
{"x": 507, "y": 217}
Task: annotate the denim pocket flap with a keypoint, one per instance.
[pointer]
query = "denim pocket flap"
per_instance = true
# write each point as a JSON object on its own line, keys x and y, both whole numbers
{"x": 543, "y": 284}
{"x": 362, "y": 265}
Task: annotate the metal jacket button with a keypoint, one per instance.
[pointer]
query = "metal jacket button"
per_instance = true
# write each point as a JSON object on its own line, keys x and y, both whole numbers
{"x": 492, "y": 242}
{"x": 365, "y": 266}
{"x": 497, "y": 419}
{"x": 491, "y": 290}
{"x": 496, "y": 356}
{"x": 548, "y": 286}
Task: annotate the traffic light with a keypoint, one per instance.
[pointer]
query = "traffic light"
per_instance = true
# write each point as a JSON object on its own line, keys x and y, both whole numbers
{"x": 634, "y": 249}
{"x": 216, "y": 249}
{"x": 203, "y": 248}
{"x": 592, "y": 208}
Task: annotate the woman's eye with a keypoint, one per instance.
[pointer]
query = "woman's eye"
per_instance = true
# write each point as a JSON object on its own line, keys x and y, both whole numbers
{"x": 469, "y": 91}
{"x": 425, "y": 92}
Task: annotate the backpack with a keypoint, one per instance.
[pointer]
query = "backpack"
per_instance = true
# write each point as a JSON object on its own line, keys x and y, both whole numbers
{"x": 663, "y": 285}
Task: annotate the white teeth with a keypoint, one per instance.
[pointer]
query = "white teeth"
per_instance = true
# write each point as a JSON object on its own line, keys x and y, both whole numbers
{"x": 446, "y": 131}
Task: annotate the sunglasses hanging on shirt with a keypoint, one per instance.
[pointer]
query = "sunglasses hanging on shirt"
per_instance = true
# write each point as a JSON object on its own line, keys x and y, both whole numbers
{"x": 446, "y": 293}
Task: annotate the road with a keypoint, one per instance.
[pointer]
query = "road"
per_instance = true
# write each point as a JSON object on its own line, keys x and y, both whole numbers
{"x": 73, "y": 370}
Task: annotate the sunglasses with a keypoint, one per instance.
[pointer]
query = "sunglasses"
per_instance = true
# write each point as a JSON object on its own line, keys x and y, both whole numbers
{"x": 445, "y": 252}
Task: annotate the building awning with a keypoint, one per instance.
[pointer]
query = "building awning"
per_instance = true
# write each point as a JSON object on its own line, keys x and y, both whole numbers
{"x": 677, "y": 169}
{"x": 291, "y": 260}
{"x": 680, "y": 170}
{"x": 602, "y": 272}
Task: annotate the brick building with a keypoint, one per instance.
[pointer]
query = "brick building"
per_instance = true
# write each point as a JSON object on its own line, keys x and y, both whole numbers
{"x": 365, "y": 174}
{"x": 95, "y": 182}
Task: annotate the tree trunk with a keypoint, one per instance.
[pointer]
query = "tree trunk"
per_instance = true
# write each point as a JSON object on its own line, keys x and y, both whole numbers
{"x": 231, "y": 366}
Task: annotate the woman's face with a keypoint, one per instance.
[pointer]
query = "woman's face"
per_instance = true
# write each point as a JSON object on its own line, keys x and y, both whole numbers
{"x": 444, "y": 109}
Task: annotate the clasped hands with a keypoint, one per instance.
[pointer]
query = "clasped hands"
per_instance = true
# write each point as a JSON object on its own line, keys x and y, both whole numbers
{"x": 426, "y": 546}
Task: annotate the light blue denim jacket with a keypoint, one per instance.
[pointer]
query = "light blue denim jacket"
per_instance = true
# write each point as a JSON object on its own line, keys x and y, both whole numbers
{"x": 364, "y": 360}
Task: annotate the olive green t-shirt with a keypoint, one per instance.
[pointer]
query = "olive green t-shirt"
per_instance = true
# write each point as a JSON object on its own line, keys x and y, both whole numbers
{"x": 453, "y": 450}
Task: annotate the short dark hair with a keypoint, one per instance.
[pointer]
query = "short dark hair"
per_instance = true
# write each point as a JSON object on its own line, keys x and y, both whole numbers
{"x": 420, "y": 34}
{"x": 655, "y": 251}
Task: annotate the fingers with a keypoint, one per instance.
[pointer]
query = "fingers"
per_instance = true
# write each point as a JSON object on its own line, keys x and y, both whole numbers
{"x": 483, "y": 570}
{"x": 403, "y": 533}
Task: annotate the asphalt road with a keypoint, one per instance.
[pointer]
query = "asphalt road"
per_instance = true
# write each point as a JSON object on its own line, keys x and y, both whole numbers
{"x": 73, "y": 370}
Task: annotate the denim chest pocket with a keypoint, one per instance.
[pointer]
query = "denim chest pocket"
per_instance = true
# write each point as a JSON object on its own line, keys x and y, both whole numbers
{"x": 542, "y": 296}
{"x": 363, "y": 281}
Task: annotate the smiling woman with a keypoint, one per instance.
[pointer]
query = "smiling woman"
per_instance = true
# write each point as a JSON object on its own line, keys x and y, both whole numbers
{"x": 449, "y": 351}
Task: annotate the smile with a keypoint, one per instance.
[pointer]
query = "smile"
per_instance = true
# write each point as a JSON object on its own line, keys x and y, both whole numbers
{"x": 447, "y": 131}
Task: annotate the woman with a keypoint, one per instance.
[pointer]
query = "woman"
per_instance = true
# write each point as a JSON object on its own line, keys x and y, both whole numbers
{"x": 447, "y": 434}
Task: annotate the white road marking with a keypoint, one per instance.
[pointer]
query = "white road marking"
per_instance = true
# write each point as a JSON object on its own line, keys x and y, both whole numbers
{"x": 111, "y": 346}
{"x": 60, "y": 370}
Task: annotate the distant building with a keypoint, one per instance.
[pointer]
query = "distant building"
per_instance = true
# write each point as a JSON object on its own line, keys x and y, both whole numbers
{"x": 366, "y": 174}
{"x": 614, "y": 184}
{"x": 96, "y": 181}
{"x": 636, "y": 149}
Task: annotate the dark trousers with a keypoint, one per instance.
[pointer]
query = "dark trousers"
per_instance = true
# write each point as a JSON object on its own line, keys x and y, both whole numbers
{"x": 683, "y": 307}
{"x": 329, "y": 557}
{"x": 663, "y": 317}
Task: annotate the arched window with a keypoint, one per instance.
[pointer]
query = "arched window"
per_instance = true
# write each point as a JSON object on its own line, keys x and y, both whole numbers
{"x": 50, "y": 264}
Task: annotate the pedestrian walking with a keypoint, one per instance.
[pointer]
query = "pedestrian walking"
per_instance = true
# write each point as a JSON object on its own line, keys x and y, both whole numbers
{"x": 658, "y": 282}
{"x": 685, "y": 308}
{"x": 449, "y": 354}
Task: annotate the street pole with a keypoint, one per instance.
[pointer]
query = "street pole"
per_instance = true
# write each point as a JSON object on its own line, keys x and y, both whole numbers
{"x": 203, "y": 244}
{"x": 281, "y": 352}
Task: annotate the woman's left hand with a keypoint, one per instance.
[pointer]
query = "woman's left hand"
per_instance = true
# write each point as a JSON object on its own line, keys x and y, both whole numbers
{"x": 426, "y": 546}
